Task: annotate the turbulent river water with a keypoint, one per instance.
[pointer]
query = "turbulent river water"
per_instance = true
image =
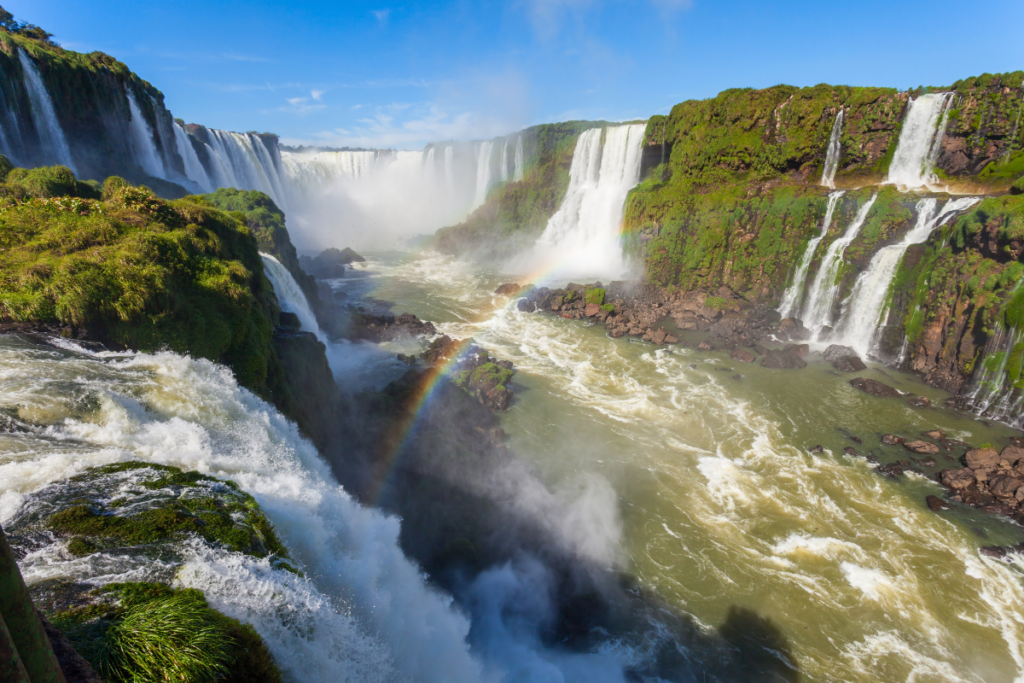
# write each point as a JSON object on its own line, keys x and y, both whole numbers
{"x": 718, "y": 502}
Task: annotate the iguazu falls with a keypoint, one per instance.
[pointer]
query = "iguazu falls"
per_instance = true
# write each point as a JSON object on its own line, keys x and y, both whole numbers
{"x": 567, "y": 341}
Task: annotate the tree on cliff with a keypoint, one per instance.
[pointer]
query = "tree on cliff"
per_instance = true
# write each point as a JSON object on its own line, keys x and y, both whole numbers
{"x": 12, "y": 25}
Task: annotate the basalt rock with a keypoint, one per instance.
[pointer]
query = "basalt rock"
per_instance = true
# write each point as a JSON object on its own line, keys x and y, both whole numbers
{"x": 892, "y": 440}
{"x": 957, "y": 480}
{"x": 848, "y": 364}
{"x": 508, "y": 289}
{"x": 873, "y": 387}
{"x": 743, "y": 355}
{"x": 936, "y": 504}
{"x": 921, "y": 447}
{"x": 835, "y": 351}
{"x": 782, "y": 360}
{"x": 918, "y": 401}
{"x": 381, "y": 328}
{"x": 982, "y": 458}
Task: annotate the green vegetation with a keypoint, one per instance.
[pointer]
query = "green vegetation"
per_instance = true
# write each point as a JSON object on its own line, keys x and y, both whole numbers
{"x": 134, "y": 269}
{"x": 267, "y": 224}
{"x": 595, "y": 296}
{"x": 216, "y": 511}
{"x": 147, "y": 632}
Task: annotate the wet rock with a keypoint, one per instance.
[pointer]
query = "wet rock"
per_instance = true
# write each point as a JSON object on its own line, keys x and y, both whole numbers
{"x": 408, "y": 360}
{"x": 848, "y": 364}
{"x": 737, "y": 377}
{"x": 1004, "y": 486}
{"x": 330, "y": 263}
{"x": 658, "y": 337}
{"x": 957, "y": 479}
{"x": 743, "y": 355}
{"x": 850, "y": 450}
{"x": 591, "y": 310}
{"x": 936, "y": 504}
{"x": 873, "y": 387}
{"x": 817, "y": 449}
{"x": 288, "y": 321}
{"x": 801, "y": 350}
{"x": 693, "y": 366}
{"x": 1012, "y": 454}
{"x": 793, "y": 329}
{"x": 671, "y": 339}
{"x": 927, "y": 462}
{"x": 835, "y": 352}
{"x": 921, "y": 447}
{"x": 981, "y": 458}
{"x": 892, "y": 439}
{"x": 781, "y": 360}
{"x": 704, "y": 346}
{"x": 527, "y": 306}
{"x": 918, "y": 401}
{"x": 936, "y": 434}
{"x": 508, "y": 289}
{"x": 892, "y": 470}
{"x": 339, "y": 295}
{"x": 381, "y": 328}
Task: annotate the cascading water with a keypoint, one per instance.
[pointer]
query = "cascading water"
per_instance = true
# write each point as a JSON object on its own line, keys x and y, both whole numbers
{"x": 828, "y": 175}
{"x": 483, "y": 172}
{"x": 51, "y": 135}
{"x": 362, "y": 612}
{"x": 290, "y": 295}
{"x": 194, "y": 169}
{"x": 865, "y": 309}
{"x": 920, "y": 142}
{"x": 10, "y": 131}
{"x": 504, "y": 161}
{"x": 817, "y": 311}
{"x": 996, "y": 390}
{"x": 518, "y": 175}
{"x": 245, "y": 163}
{"x": 141, "y": 137}
{"x": 582, "y": 238}
{"x": 791, "y": 299}
{"x": 449, "y": 167}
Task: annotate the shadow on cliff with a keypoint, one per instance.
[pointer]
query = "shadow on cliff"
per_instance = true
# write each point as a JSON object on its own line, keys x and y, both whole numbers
{"x": 539, "y": 572}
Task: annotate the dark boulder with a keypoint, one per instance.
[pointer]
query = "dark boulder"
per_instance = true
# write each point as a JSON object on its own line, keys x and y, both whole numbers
{"x": 936, "y": 504}
{"x": 1012, "y": 454}
{"x": 801, "y": 350}
{"x": 743, "y": 355}
{"x": 850, "y": 450}
{"x": 835, "y": 351}
{"x": 508, "y": 289}
{"x": 892, "y": 439}
{"x": 921, "y": 447}
{"x": 848, "y": 364}
{"x": 873, "y": 387}
{"x": 782, "y": 360}
{"x": 892, "y": 471}
{"x": 957, "y": 479}
{"x": 330, "y": 263}
{"x": 918, "y": 401}
{"x": 982, "y": 458}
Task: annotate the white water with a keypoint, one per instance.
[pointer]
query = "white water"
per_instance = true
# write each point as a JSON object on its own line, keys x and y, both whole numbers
{"x": 791, "y": 299}
{"x": 51, "y": 135}
{"x": 920, "y": 142}
{"x": 817, "y": 310}
{"x": 449, "y": 167}
{"x": 364, "y": 612}
{"x": 290, "y": 295}
{"x": 828, "y": 175}
{"x": 582, "y": 238}
{"x": 504, "y": 160}
{"x": 865, "y": 311}
{"x": 193, "y": 167}
{"x": 518, "y": 174}
{"x": 141, "y": 137}
{"x": 483, "y": 172}
{"x": 988, "y": 395}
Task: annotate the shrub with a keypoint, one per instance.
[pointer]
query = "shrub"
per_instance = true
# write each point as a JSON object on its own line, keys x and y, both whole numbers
{"x": 46, "y": 181}
{"x": 595, "y": 296}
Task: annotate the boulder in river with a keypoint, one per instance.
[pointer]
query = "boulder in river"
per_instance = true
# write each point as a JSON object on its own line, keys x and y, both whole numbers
{"x": 921, "y": 447}
{"x": 892, "y": 439}
{"x": 849, "y": 364}
{"x": 835, "y": 351}
{"x": 936, "y": 504}
{"x": 1012, "y": 454}
{"x": 743, "y": 355}
{"x": 508, "y": 289}
{"x": 873, "y": 387}
{"x": 892, "y": 470}
{"x": 957, "y": 479}
{"x": 330, "y": 263}
{"x": 801, "y": 350}
{"x": 782, "y": 360}
{"x": 982, "y": 458}
{"x": 1004, "y": 486}
{"x": 918, "y": 401}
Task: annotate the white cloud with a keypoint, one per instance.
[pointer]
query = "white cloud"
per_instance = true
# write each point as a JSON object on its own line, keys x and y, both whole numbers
{"x": 382, "y": 16}
{"x": 317, "y": 94}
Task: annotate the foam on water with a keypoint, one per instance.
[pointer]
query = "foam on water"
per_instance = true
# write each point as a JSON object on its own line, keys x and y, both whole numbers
{"x": 371, "y": 613}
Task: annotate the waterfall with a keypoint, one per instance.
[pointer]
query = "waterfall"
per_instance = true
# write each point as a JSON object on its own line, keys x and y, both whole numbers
{"x": 993, "y": 391}
{"x": 920, "y": 141}
{"x": 518, "y": 175}
{"x": 290, "y": 295}
{"x": 583, "y": 235}
{"x": 865, "y": 309}
{"x": 244, "y": 162}
{"x": 504, "y": 161}
{"x": 828, "y": 176}
{"x": 54, "y": 147}
{"x": 483, "y": 172}
{"x": 141, "y": 137}
{"x": 448, "y": 166}
{"x": 791, "y": 299}
{"x": 10, "y": 131}
{"x": 193, "y": 167}
{"x": 818, "y": 309}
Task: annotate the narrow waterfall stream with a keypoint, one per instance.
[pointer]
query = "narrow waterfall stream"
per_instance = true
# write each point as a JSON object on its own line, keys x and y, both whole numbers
{"x": 51, "y": 135}
{"x": 865, "y": 309}
{"x": 792, "y": 299}
{"x": 817, "y": 311}
{"x": 141, "y": 136}
{"x": 919, "y": 141}
{"x": 828, "y": 174}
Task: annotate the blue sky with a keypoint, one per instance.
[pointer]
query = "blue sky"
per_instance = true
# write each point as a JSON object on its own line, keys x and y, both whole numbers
{"x": 400, "y": 74}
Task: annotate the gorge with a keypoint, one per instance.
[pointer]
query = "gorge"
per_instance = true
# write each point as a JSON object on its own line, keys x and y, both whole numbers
{"x": 622, "y": 443}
